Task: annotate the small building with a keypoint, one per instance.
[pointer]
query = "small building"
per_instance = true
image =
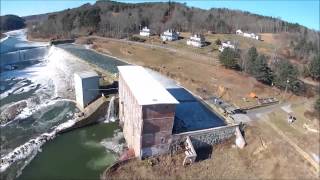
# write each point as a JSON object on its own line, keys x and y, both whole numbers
{"x": 170, "y": 35}
{"x": 196, "y": 40}
{"x": 239, "y": 32}
{"x": 248, "y": 35}
{"x": 146, "y": 111}
{"x": 252, "y": 35}
{"x": 226, "y": 44}
{"x": 86, "y": 87}
{"x": 145, "y": 31}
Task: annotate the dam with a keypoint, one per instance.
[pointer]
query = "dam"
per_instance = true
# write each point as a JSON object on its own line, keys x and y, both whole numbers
{"x": 41, "y": 93}
{"x": 23, "y": 55}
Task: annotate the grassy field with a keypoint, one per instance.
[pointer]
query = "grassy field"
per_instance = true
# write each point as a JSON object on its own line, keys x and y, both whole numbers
{"x": 265, "y": 46}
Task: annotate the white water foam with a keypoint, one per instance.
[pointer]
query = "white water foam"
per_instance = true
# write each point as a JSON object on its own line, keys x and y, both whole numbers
{"x": 32, "y": 146}
{"x": 54, "y": 75}
{"x": 3, "y": 39}
{"x": 30, "y": 109}
{"x": 21, "y": 35}
{"x": 114, "y": 144}
{"x": 19, "y": 87}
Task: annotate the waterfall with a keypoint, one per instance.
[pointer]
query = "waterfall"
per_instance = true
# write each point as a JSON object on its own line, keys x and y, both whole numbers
{"x": 111, "y": 115}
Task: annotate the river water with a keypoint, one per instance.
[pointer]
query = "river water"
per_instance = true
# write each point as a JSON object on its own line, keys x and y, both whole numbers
{"x": 37, "y": 101}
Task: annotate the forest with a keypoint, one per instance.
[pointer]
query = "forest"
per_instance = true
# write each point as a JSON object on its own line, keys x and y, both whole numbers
{"x": 11, "y": 22}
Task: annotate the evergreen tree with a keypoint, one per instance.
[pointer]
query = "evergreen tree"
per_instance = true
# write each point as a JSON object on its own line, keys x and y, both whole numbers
{"x": 261, "y": 71}
{"x": 317, "y": 105}
{"x": 314, "y": 68}
{"x": 286, "y": 75}
{"x": 251, "y": 58}
{"x": 228, "y": 58}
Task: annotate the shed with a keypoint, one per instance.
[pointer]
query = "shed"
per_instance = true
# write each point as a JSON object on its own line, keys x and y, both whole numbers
{"x": 147, "y": 112}
{"x": 86, "y": 87}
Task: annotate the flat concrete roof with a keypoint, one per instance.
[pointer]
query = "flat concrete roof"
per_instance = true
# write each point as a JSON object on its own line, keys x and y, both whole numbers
{"x": 86, "y": 74}
{"x": 145, "y": 89}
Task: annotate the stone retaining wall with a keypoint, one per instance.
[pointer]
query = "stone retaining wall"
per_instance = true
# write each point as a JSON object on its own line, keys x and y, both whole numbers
{"x": 205, "y": 137}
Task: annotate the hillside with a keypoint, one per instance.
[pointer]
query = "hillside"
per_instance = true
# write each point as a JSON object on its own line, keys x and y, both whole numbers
{"x": 11, "y": 22}
{"x": 119, "y": 20}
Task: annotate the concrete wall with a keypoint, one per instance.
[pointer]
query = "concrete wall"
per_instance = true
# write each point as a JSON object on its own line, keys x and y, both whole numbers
{"x": 205, "y": 137}
{"x": 24, "y": 55}
{"x": 130, "y": 114}
{"x": 93, "y": 112}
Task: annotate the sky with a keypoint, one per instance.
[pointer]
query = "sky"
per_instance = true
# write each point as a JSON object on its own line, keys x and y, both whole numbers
{"x": 304, "y": 12}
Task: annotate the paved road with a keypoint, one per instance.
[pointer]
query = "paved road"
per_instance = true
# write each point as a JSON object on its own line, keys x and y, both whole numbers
{"x": 255, "y": 114}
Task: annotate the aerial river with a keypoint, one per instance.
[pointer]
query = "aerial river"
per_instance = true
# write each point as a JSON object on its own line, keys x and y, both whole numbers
{"x": 37, "y": 102}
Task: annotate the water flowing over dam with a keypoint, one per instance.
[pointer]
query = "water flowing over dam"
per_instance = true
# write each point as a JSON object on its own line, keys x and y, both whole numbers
{"x": 18, "y": 56}
{"x": 37, "y": 102}
{"x": 111, "y": 114}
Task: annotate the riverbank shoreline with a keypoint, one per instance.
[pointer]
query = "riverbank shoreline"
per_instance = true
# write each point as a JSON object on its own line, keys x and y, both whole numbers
{"x": 3, "y": 37}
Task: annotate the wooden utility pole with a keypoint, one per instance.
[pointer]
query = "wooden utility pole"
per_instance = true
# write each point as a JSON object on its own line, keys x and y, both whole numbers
{"x": 285, "y": 91}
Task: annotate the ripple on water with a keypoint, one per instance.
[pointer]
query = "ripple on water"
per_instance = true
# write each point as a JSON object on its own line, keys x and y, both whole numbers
{"x": 101, "y": 162}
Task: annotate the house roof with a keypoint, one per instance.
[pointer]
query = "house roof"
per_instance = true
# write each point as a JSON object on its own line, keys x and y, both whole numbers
{"x": 145, "y": 89}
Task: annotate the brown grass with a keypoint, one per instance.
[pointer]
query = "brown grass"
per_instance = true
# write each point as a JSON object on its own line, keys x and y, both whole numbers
{"x": 189, "y": 69}
{"x": 265, "y": 157}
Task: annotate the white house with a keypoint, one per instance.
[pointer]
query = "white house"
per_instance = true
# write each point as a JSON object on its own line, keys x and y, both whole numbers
{"x": 170, "y": 35}
{"x": 145, "y": 31}
{"x": 252, "y": 35}
{"x": 248, "y": 35}
{"x": 196, "y": 40}
{"x": 239, "y": 32}
{"x": 226, "y": 44}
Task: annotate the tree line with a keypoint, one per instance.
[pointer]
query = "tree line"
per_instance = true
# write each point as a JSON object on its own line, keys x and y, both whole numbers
{"x": 115, "y": 19}
{"x": 11, "y": 22}
{"x": 120, "y": 20}
{"x": 280, "y": 73}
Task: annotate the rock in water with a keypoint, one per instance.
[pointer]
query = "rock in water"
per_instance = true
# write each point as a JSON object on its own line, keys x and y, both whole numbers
{"x": 12, "y": 111}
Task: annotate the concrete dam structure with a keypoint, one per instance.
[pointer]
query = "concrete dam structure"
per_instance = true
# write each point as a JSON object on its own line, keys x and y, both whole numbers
{"x": 18, "y": 56}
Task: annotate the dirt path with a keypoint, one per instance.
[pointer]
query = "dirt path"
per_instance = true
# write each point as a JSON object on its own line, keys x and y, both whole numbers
{"x": 205, "y": 59}
{"x": 299, "y": 150}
